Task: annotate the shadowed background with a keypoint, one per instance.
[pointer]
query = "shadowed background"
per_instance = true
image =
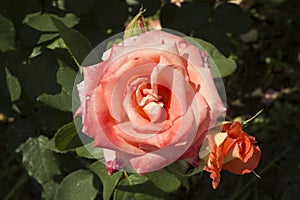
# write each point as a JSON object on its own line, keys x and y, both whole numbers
{"x": 262, "y": 36}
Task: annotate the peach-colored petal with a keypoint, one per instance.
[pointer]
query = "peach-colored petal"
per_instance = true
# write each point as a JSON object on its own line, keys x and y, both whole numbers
{"x": 237, "y": 166}
{"x": 115, "y": 93}
{"x": 214, "y": 165}
{"x": 85, "y": 88}
{"x": 232, "y": 150}
{"x": 194, "y": 149}
{"x": 115, "y": 160}
{"x": 185, "y": 132}
{"x": 235, "y": 130}
{"x": 200, "y": 74}
{"x": 105, "y": 126}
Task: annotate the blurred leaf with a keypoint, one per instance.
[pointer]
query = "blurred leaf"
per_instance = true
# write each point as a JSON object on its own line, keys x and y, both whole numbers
{"x": 250, "y": 36}
{"x": 38, "y": 160}
{"x": 77, "y": 44}
{"x": 62, "y": 101}
{"x": 179, "y": 173}
{"x": 196, "y": 170}
{"x": 164, "y": 180}
{"x": 214, "y": 34}
{"x": 42, "y": 22}
{"x": 40, "y": 163}
{"x": 190, "y": 16}
{"x": 13, "y": 85}
{"x": 225, "y": 66}
{"x": 89, "y": 151}
{"x": 49, "y": 190}
{"x": 36, "y": 51}
{"x": 136, "y": 26}
{"x": 109, "y": 182}
{"x": 38, "y": 75}
{"x": 77, "y": 185}
{"x": 232, "y": 18}
{"x": 47, "y": 37}
{"x": 7, "y": 35}
{"x": 138, "y": 188}
{"x": 67, "y": 138}
{"x": 58, "y": 43}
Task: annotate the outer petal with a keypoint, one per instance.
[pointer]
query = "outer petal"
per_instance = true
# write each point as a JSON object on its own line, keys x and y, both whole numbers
{"x": 200, "y": 74}
{"x": 85, "y": 88}
{"x": 193, "y": 151}
{"x": 115, "y": 160}
{"x": 238, "y": 167}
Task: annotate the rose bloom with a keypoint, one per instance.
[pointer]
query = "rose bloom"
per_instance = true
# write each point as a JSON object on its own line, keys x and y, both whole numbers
{"x": 231, "y": 149}
{"x": 149, "y": 103}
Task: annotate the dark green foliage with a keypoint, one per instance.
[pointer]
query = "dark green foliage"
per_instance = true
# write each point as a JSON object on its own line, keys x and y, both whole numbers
{"x": 42, "y": 43}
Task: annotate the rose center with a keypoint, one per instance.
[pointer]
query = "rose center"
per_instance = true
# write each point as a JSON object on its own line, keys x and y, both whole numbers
{"x": 150, "y": 105}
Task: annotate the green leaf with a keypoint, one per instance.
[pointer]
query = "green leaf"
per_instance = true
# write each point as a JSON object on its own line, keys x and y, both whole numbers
{"x": 47, "y": 37}
{"x": 77, "y": 44}
{"x": 136, "y": 26}
{"x": 220, "y": 65}
{"x": 89, "y": 151}
{"x": 164, "y": 180}
{"x": 138, "y": 188}
{"x": 38, "y": 160}
{"x": 198, "y": 169}
{"x": 179, "y": 173}
{"x": 62, "y": 101}
{"x": 109, "y": 182}
{"x": 7, "y": 35}
{"x": 66, "y": 137}
{"x": 237, "y": 22}
{"x": 42, "y": 22}
{"x": 13, "y": 85}
{"x": 38, "y": 75}
{"x": 58, "y": 43}
{"x": 41, "y": 164}
{"x": 77, "y": 185}
{"x": 49, "y": 190}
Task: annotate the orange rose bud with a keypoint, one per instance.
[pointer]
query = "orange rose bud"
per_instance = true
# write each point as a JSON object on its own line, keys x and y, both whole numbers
{"x": 232, "y": 150}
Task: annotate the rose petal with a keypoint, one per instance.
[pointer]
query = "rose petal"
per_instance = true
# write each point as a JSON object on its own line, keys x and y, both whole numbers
{"x": 85, "y": 88}
{"x": 81, "y": 93}
{"x": 239, "y": 167}
{"x": 173, "y": 78}
{"x": 117, "y": 92}
{"x": 101, "y": 122}
{"x": 201, "y": 75}
{"x": 186, "y": 129}
{"x": 115, "y": 160}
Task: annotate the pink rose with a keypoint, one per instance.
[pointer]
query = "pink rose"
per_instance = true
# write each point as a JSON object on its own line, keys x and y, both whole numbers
{"x": 149, "y": 103}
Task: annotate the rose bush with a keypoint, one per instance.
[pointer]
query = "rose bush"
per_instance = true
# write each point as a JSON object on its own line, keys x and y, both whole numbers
{"x": 231, "y": 149}
{"x": 150, "y": 102}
